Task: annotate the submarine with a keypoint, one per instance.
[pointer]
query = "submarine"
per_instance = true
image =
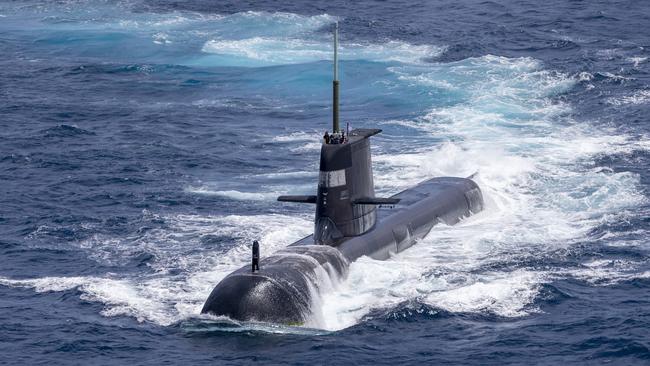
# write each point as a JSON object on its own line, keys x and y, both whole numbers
{"x": 350, "y": 222}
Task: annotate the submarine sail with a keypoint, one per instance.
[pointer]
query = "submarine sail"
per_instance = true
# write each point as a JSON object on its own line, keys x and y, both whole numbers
{"x": 350, "y": 222}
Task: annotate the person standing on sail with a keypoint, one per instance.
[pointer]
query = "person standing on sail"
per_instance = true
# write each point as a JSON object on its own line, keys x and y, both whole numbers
{"x": 256, "y": 256}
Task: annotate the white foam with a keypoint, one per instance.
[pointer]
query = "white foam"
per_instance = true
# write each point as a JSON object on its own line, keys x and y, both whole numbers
{"x": 505, "y": 294}
{"x": 252, "y": 38}
{"x": 45, "y": 284}
{"x": 227, "y": 103}
{"x": 236, "y": 195}
{"x": 289, "y": 175}
{"x": 309, "y": 147}
{"x": 279, "y": 22}
{"x": 636, "y": 98}
{"x": 120, "y": 297}
{"x": 614, "y": 77}
{"x": 301, "y": 142}
{"x": 585, "y": 76}
{"x": 161, "y": 38}
{"x": 607, "y": 272}
{"x": 278, "y": 51}
{"x": 297, "y": 137}
{"x": 637, "y": 60}
{"x": 370, "y": 284}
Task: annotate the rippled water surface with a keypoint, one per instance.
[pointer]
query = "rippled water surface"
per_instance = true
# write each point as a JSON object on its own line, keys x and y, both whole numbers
{"x": 143, "y": 143}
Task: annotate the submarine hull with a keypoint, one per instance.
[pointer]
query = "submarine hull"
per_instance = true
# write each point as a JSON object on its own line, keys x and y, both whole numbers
{"x": 350, "y": 222}
{"x": 288, "y": 284}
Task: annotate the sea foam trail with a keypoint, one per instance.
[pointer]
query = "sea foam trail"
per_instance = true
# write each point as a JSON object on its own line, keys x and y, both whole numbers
{"x": 235, "y": 194}
{"x": 252, "y": 38}
{"x": 259, "y": 51}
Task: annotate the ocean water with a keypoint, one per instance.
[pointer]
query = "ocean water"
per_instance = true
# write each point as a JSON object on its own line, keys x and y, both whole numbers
{"x": 143, "y": 143}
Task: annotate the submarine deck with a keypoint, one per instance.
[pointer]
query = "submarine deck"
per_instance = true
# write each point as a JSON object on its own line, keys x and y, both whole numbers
{"x": 435, "y": 187}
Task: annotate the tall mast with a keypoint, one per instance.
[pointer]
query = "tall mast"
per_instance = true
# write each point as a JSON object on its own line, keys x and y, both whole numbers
{"x": 335, "y": 102}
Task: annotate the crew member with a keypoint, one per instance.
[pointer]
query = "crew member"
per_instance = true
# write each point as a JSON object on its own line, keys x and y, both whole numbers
{"x": 256, "y": 256}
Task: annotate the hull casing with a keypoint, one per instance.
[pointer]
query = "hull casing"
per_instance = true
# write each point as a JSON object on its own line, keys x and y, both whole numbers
{"x": 287, "y": 286}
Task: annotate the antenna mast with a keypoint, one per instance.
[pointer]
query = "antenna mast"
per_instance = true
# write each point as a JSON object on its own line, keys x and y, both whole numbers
{"x": 335, "y": 102}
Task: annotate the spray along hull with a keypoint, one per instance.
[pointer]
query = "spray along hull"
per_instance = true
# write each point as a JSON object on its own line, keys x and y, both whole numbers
{"x": 288, "y": 285}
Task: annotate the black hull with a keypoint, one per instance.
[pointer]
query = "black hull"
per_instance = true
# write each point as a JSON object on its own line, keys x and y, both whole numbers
{"x": 285, "y": 288}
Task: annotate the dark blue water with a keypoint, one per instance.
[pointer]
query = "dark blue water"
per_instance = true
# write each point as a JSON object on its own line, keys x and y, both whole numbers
{"x": 142, "y": 145}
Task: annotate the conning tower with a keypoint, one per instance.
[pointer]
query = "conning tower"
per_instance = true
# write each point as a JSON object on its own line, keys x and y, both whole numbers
{"x": 345, "y": 203}
{"x": 345, "y": 200}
